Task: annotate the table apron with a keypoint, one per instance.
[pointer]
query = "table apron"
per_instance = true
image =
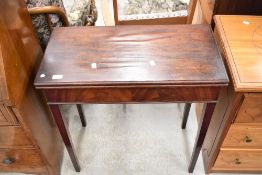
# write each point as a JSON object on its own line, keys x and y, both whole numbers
{"x": 132, "y": 94}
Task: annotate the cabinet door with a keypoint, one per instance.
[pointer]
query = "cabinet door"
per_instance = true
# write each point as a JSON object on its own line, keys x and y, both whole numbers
{"x": 251, "y": 109}
{"x": 7, "y": 116}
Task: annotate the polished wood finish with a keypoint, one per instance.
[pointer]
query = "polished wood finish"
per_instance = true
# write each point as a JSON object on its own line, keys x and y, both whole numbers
{"x": 239, "y": 161}
{"x": 251, "y": 109}
{"x": 7, "y": 116}
{"x": 132, "y": 94}
{"x": 246, "y": 73}
{"x": 185, "y": 115}
{"x": 243, "y": 136}
{"x": 50, "y": 10}
{"x": 12, "y": 56}
{"x": 108, "y": 54}
{"x": 201, "y": 133}
{"x": 29, "y": 138}
{"x": 64, "y": 133}
{"x": 81, "y": 114}
{"x": 23, "y": 160}
{"x": 238, "y": 131}
{"x": 14, "y": 137}
{"x": 106, "y": 68}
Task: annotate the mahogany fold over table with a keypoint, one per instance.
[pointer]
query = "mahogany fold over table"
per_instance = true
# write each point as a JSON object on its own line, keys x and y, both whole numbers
{"x": 132, "y": 64}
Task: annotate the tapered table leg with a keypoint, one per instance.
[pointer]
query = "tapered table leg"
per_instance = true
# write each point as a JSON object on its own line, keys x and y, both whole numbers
{"x": 65, "y": 135}
{"x": 185, "y": 115}
{"x": 201, "y": 134}
{"x": 81, "y": 114}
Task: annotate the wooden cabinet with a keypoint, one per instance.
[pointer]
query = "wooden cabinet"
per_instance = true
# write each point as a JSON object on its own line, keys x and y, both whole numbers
{"x": 236, "y": 142}
{"x": 29, "y": 141}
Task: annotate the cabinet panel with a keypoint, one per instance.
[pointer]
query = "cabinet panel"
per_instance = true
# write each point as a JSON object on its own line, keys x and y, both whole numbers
{"x": 6, "y": 116}
{"x": 27, "y": 160}
{"x": 238, "y": 160}
{"x": 14, "y": 137}
{"x": 243, "y": 137}
{"x": 251, "y": 109}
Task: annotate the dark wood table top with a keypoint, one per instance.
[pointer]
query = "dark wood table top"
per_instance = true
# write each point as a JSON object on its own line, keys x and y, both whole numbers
{"x": 136, "y": 55}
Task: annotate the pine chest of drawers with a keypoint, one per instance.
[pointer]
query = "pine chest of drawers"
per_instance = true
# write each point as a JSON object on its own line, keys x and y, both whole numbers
{"x": 234, "y": 141}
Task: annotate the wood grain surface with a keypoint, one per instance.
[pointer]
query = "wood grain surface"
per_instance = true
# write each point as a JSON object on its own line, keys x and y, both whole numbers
{"x": 239, "y": 161}
{"x": 14, "y": 137}
{"x": 137, "y": 55}
{"x": 251, "y": 109}
{"x": 243, "y": 136}
{"x": 242, "y": 41}
{"x": 18, "y": 62}
{"x": 23, "y": 160}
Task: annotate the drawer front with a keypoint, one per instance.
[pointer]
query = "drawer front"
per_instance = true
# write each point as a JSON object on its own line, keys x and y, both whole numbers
{"x": 26, "y": 160}
{"x": 239, "y": 160}
{"x": 243, "y": 137}
{"x": 251, "y": 109}
{"x": 14, "y": 137}
{"x": 7, "y": 117}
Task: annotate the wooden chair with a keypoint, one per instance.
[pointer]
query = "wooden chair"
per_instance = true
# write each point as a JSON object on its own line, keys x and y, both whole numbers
{"x": 156, "y": 18}
{"x": 49, "y": 14}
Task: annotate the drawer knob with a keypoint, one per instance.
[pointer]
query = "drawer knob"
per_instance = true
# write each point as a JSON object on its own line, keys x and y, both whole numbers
{"x": 8, "y": 161}
{"x": 237, "y": 161}
{"x": 248, "y": 139}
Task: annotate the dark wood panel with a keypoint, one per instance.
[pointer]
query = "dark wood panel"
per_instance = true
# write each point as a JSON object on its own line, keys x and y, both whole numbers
{"x": 132, "y": 94}
{"x": 237, "y": 7}
{"x": 169, "y": 54}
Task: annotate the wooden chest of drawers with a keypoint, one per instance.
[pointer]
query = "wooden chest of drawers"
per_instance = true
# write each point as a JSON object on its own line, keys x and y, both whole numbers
{"x": 29, "y": 141}
{"x": 235, "y": 144}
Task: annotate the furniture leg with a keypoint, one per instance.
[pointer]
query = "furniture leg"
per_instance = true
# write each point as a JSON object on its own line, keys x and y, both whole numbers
{"x": 201, "y": 134}
{"x": 185, "y": 115}
{"x": 81, "y": 114}
{"x": 65, "y": 135}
